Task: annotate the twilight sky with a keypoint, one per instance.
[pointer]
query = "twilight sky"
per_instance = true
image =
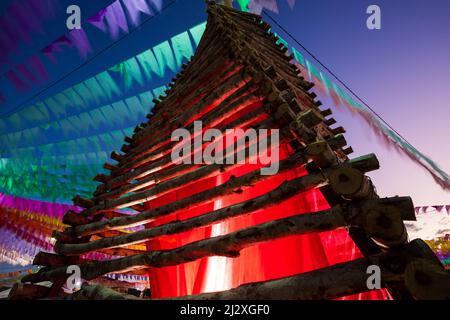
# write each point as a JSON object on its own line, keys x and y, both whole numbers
{"x": 401, "y": 70}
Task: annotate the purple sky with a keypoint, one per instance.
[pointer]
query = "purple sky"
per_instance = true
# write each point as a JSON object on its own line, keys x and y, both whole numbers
{"x": 401, "y": 70}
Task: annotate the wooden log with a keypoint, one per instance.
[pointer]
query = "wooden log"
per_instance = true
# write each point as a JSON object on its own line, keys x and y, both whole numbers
{"x": 227, "y": 245}
{"x": 385, "y": 225}
{"x": 82, "y": 202}
{"x": 186, "y": 120}
{"x": 99, "y": 292}
{"x": 72, "y": 218}
{"x": 51, "y": 259}
{"x": 65, "y": 237}
{"x": 364, "y": 164}
{"x": 350, "y": 183}
{"x": 230, "y": 77}
{"x": 321, "y": 154}
{"x": 310, "y": 118}
{"x": 328, "y": 283}
{"x": 22, "y": 291}
{"x": 341, "y": 215}
{"x": 427, "y": 280}
{"x": 189, "y": 177}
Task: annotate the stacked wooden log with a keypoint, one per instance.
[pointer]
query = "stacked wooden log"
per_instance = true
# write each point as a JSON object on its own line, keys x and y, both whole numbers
{"x": 241, "y": 78}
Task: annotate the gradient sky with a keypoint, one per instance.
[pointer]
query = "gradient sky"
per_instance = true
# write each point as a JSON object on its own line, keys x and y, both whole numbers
{"x": 401, "y": 70}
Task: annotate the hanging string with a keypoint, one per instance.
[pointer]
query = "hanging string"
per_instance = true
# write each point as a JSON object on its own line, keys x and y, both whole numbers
{"x": 441, "y": 177}
{"x": 87, "y": 61}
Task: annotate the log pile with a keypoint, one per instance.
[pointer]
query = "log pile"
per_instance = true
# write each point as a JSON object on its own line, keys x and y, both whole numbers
{"x": 240, "y": 77}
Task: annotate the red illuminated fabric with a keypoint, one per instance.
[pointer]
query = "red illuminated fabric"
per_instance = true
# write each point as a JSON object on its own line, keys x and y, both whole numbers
{"x": 278, "y": 258}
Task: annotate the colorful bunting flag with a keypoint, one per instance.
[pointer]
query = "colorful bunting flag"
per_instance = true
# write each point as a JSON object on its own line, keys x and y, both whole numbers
{"x": 79, "y": 40}
{"x": 164, "y": 56}
{"x": 182, "y": 47}
{"x": 18, "y": 83}
{"x": 116, "y": 20}
{"x": 97, "y": 19}
{"x": 26, "y": 73}
{"x": 38, "y": 67}
{"x": 55, "y": 46}
{"x": 134, "y": 8}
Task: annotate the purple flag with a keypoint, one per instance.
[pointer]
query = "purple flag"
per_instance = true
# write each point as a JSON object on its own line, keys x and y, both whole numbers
{"x": 16, "y": 81}
{"x": 55, "y": 46}
{"x": 79, "y": 39}
{"x": 158, "y": 4}
{"x": 291, "y": 3}
{"x": 10, "y": 34}
{"x": 115, "y": 17}
{"x": 97, "y": 20}
{"x": 28, "y": 22}
{"x": 26, "y": 73}
{"x": 417, "y": 209}
{"x": 44, "y": 8}
{"x": 134, "y": 7}
{"x": 256, "y": 6}
{"x": 438, "y": 208}
{"x": 447, "y": 208}
{"x": 38, "y": 67}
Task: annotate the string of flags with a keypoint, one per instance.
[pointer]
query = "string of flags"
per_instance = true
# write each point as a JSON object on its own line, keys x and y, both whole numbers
{"x": 433, "y": 209}
{"x": 127, "y": 277}
{"x": 328, "y": 88}
{"x": 19, "y": 27}
{"x": 110, "y": 20}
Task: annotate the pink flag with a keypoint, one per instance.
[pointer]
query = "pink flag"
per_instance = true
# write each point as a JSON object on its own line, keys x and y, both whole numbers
{"x": 38, "y": 67}
{"x": 11, "y": 37}
{"x": 97, "y": 20}
{"x": 80, "y": 40}
{"x": 26, "y": 73}
{"x": 44, "y": 9}
{"x": 16, "y": 81}
{"x": 20, "y": 11}
{"x": 55, "y": 46}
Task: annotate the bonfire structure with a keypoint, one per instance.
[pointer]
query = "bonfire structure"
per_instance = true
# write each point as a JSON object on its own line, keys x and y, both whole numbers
{"x": 239, "y": 77}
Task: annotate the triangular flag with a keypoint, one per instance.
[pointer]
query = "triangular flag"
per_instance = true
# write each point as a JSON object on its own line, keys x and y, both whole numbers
{"x": 108, "y": 84}
{"x": 115, "y": 17}
{"x": 80, "y": 41}
{"x": 182, "y": 47}
{"x": 197, "y": 32}
{"x": 149, "y": 64}
{"x": 134, "y": 8}
{"x": 16, "y": 81}
{"x": 38, "y": 67}
{"x": 97, "y": 19}
{"x": 164, "y": 56}
{"x": 256, "y": 6}
{"x": 291, "y": 3}
{"x": 55, "y": 46}
{"x": 26, "y": 73}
